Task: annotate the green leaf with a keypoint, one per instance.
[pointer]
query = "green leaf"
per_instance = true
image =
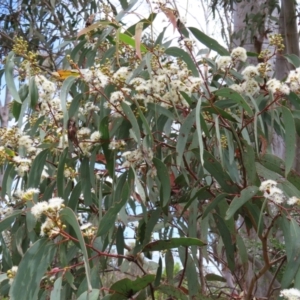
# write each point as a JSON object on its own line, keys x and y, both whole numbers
{"x": 60, "y": 178}
{"x": 146, "y": 23}
{"x": 172, "y": 243}
{"x": 232, "y": 95}
{"x": 92, "y": 295}
{"x": 290, "y": 138}
{"x": 213, "y": 204}
{"x": 6, "y": 179}
{"x": 124, "y": 4}
{"x": 108, "y": 220}
{"x": 32, "y": 268}
{"x": 64, "y": 92}
{"x": 120, "y": 243}
{"x": 36, "y": 169}
{"x": 214, "y": 277}
{"x": 293, "y": 59}
{"x": 199, "y": 130}
{"x": 172, "y": 291}
{"x": 56, "y": 292}
{"x": 208, "y": 42}
{"x": 126, "y": 288}
{"x": 33, "y": 93}
{"x": 132, "y": 119}
{"x": 293, "y": 263}
{"x": 216, "y": 170}
{"x": 158, "y": 273}
{"x": 164, "y": 178}
{"x": 130, "y": 41}
{"x": 184, "y": 56}
{"x": 226, "y": 238}
{"x": 9, "y": 76}
{"x": 249, "y": 163}
{"x": 73, "y": 201}
{"x": 240, "y": 200}
{"x": 86, "y": 180}
{"x": 184, "y": 134}
{"x": 161, "y": 110}
{"x": 69, "y": 217}
{"x": 169, "y": 263}
{"x": 103, "y": 128}
{"x": 7, "y": 221}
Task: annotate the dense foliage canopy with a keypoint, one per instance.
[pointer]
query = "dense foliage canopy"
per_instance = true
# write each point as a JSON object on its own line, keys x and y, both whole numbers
{"x": 136, "y": 153}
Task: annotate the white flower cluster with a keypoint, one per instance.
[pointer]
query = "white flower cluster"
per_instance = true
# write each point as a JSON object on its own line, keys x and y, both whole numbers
{"x": 224, "y": 62}
{"x": 51, "y": 209}
{"x": 250, "y": 86}
{"x": 137, "y": 157}
{"x": 290, "y": 294}
{"x": 86, "y": 144}
{"x": 26, "y": 195}
{"x": 88, "y": 229}
{"x": 293, "y": 80}
{"x": 48, "y": 102}
{"x": 95, "y": 77}
{"x": 237, "y": 54}
{"x": 273, "y": 193}
{"x": 11, "y": 274}
{"x": 276, "y": 86}
{"x": 22, "y": 165}
{"x": 116, "y": 98}
{"x": 117, "y": 145}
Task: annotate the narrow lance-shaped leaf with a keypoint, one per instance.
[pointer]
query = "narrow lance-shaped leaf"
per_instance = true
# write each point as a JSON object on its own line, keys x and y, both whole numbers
{"x": 64, "y": 97}
{"x": 132, "y": 119}
{"x": 290, "y": 139}
{"x": 68, "y": 216}
{"x": 240, "y": 200}
{"x": 32, "y": 268}
{"x": 172, "y": 243}
{"x": 208, "y": 42}
{"x": 184, "y": 134}
{"x": 96, "y": 25}
{"x": 170, "y": 13}
{"x": 109, "y": 218}
{"x": 137, "y": 37}
{"x": 164, "y": 178}
{"x": 9, "y": 76}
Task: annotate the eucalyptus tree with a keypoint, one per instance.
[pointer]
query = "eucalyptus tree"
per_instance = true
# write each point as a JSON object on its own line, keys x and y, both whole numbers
{"x": 133, "y": 155}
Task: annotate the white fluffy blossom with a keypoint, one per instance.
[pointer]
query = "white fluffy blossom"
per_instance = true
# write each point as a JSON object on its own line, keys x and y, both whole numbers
{"x": 224, "y": 62}
{"x": 95, "y": 136}
{"x": 250, "y": 72}
{"x": 239, "y": 53}
{"x": 29, "y": 193}
{"x": 237, "y": 88}
{"x": 290, "y": 294}
{"x": 267, "y": 184}
{"x": 293, "y": 200}
{"x": 38, "y": 209}
{"x": 83, "y": 132}
{"x": 272, "y": 192}
{"x": 117, "y": 145}
{"x": 250, "y": 87}
{"x": 293, "y": 80}
{"x": 275, "y": 86}
{"x": 85, "y": 226}
{"x": 56, "y": 203}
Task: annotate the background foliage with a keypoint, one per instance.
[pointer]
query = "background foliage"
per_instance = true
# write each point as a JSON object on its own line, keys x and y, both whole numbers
{"x": 127, "y": 154}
